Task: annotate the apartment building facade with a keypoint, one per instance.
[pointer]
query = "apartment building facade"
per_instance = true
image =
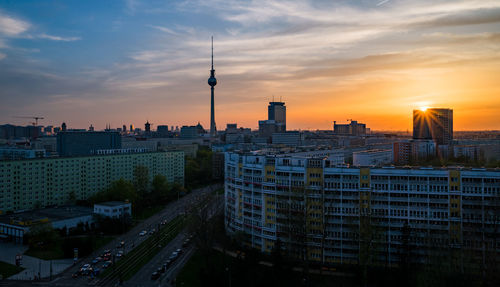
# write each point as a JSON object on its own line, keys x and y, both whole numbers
{"x": 330, "y": 213}
{"x": 34, "y": 183}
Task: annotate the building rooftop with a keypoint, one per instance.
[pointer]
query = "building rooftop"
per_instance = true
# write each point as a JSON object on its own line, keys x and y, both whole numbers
{"x": 112, "y": 203}
{"x": 52, "y": 214}
{"x": 373, "y": 151}
{"x": 89, "y": 156}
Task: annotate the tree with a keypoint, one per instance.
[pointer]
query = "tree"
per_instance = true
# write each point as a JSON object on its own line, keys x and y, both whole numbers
{"x": 198, "y": 171}
{"x": 72, "y": 197}
{"x": 161, "y": 191}
{"x": 141, "y": 179}
{"x": 119, "y": 190}
{"x": 42, "y": 234}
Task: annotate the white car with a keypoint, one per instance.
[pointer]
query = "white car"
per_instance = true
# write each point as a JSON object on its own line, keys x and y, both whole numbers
{"x": 142, "y": 233}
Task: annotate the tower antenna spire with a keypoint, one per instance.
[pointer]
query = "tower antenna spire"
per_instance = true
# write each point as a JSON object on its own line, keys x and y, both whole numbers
{"x": 212, "y": 82}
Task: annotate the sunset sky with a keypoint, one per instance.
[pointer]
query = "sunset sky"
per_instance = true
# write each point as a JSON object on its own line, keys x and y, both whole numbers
{"x": 125, "y": 62}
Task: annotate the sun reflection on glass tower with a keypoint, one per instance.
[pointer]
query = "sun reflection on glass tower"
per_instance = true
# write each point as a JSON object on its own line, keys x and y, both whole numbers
{"x": 212, "y": 82}
{"x": 433, "y": 124}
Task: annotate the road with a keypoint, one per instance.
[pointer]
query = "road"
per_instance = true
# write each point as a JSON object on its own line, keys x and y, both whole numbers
{"x": 131, "y": 239}
{"x": 143, "y": 277}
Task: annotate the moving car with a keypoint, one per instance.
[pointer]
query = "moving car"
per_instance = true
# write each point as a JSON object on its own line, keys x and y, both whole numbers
{"x": 106, "y": 264}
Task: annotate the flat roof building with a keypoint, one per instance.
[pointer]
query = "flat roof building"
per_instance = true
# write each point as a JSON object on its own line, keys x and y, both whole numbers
{"x": 374, "y": 157}
{"x": 309, "y": 203}
{"x": 113, "y": 209}
{"x": 76, "y": 143}
{"x": 15, "y": 226}
{"x": 353, "y": 128}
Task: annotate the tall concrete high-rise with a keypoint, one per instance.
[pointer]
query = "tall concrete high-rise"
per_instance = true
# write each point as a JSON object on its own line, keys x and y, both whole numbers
{"x": 79, "y": 143}
{"x": 433, "y": 124}
{"x": 212, "y": 82}
{"x": 276, "y": 111}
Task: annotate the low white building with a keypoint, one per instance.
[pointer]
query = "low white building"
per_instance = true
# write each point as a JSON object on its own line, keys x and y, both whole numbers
{"x": 374, "y": 157}
{"x": 113, "y": 209}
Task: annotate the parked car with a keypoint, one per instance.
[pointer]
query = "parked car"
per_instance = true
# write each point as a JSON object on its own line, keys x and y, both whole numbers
{"x": 173, "y": 256}
{"x": 155, "y": 275}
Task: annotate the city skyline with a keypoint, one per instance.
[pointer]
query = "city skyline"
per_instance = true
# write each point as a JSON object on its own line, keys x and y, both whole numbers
{"x": 132, "y": 62}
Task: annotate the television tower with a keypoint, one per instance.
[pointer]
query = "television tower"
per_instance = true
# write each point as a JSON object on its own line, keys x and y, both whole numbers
{"x": 212, "y": 82}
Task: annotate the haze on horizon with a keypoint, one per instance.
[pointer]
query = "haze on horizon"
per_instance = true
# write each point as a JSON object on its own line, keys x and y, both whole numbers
{"x": 125, "y": 62}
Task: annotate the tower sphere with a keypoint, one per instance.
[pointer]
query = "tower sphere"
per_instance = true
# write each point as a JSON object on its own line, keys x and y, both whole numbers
{"x": 212, "y": 81}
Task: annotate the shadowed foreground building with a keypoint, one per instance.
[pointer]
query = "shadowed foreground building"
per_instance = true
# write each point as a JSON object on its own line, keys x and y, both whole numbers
{"x": 330, "y": 213}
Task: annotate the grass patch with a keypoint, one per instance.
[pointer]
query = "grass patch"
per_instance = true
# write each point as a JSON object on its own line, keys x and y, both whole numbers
{"x": 144, "y": 252}
{"x": 47, "y": 252}
{"x": 7, "y": 270}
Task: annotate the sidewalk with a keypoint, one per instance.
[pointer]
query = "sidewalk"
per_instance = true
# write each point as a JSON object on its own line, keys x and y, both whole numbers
{"x": 32, "y": 265}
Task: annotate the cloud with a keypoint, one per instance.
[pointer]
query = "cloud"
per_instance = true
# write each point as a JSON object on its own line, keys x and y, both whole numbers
{"x": 10, "y": 26}
{"x": 131, "y": 6}
{"x": 58, "y": 38}
{"x": 462, "y": 39}
{"x": 164, "y": 29}
{"x": 2, "y": 56}
{"x": 463, "y": 18}
{"x": 317, "y": 53}
{"x": 382, "y": 2}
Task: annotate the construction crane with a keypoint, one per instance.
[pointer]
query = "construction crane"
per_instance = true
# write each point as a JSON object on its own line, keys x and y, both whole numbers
{"x": 35, "y": 118}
